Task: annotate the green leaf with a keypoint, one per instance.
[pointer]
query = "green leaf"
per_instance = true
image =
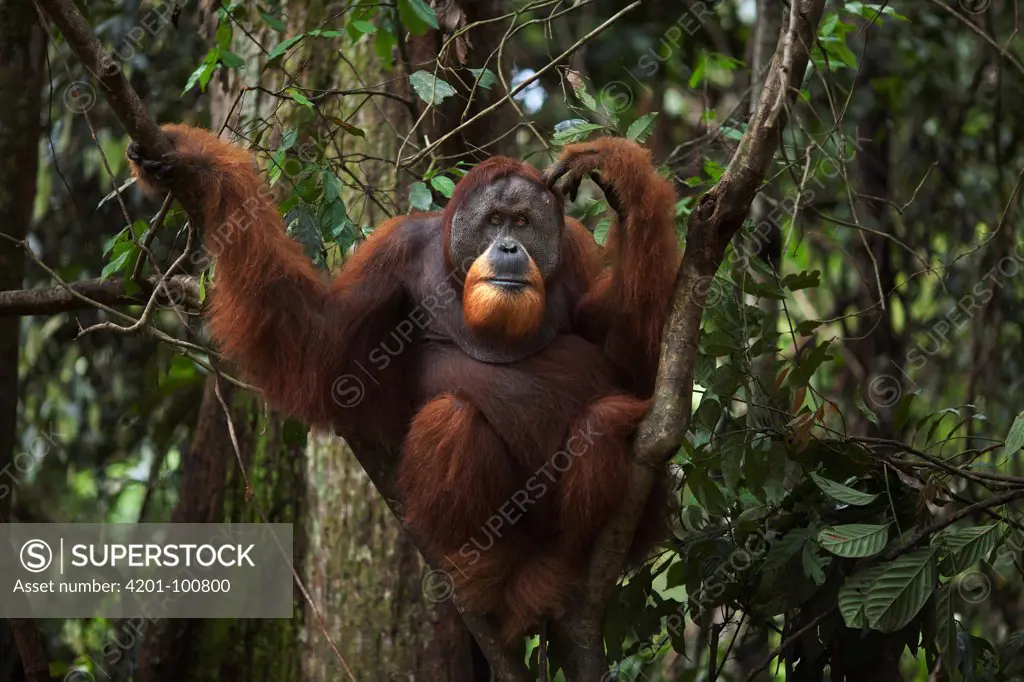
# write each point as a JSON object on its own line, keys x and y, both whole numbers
{"x": 118, "y": 263}
{"x": 363, "y": 27}
{"x": 731, "y": 133}
{"x": 283, "y": 47}
{"x": 970, "y": 545}
{"x": 814, "y": 564}
{"x": 641, "y": 129}
{"x": 1015, "y": 436}
{"x": 854, "y": 540}
{"x": 289, "y": 138}
{"x": 231, "y": 60}
{"x": 853, "y": 595}
{"x": 332, "y": 186}
{"x": 901, "y": 412}
{"x": 698, "y": 73}
{"x": 299, "y": 97}
{"x": 807, "y": 327}
{"x": 578, "y": 131}
{"x": 443, "y": 184}
{"x": 801, "y": 375}
{"x": 585, "y": 98}
{"x": 385, "y": 44}
{"x": 484, "y": 78}
{"x": 828, "y": 26}
{"x": 945, "y": 628}
{"x": 272, "y": 21}
{"x": 224, "y": 35}
{"x": 708, "y": 493}
{"x": 201, "y": 76}
{"x": 416, "y": 16}
{"x": 329, "y": 33}
{"x": 420, "y": 197}
{"x": 900, "y": 590}
{"x": 1012, "y": 649}
{"x": 429, "y": 88}
{"x": 802, "y": 280}
{"x": 842, "y": 492}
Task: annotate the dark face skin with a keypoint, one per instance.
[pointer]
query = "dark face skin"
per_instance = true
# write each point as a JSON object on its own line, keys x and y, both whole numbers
{"x": 518, "y": 218}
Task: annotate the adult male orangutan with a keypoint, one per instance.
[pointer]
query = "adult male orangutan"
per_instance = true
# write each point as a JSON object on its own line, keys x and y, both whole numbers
{"x": 509, "y": 354}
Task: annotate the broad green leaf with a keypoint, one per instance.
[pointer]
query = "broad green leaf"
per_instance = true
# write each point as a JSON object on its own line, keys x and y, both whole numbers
{"x": 583, "y": 96}
{"x": 853, "y": 595}
{"x": 429, "y": 88}
{"x": 828, "y": 26}
{"x": 283, "y": 47}
{"x": 855, "y": 540}
{"x": 417, "y": 16}
{"x": 383, "y": 45}
{"x": 201, "y": 76}
{"x": 272, "y": 21}
{"x": 801, "y": 376}
{"x": 900, "y": 590}
{"x": 420, "y": 197}
{"x": 289, "y": 138}
{"x": 578, "y": 131}
{"x": 332, "y": 186}
{"x": 224, "y": 35}
{"x": 807, "y": 327}
{"x": 945, "y": 628}
{"x": 443, "y": 184}
{"x": 731, "y": 133}
{"x": 641, "y": 129}
{"x": 231, "y": 60}
{"x": 802, "y": 280}
{"x": 363, "y": 27}
{"x": 1011, "y": 653}
{"x": 299, "y": 97}
{"x": 842, "y": 492}
{"x": 485, "y": 78}
{"x": 901, "y": 412}
{"x": 814, "y": 564}
{"x": 970, "y": 545}
{"x": 1015, "y": 436}
{"x": 118, "y": 263}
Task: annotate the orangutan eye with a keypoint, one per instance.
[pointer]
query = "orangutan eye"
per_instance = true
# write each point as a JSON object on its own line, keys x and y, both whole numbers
{"x": 495, "y": 218}
{"x": 521, "y": 221}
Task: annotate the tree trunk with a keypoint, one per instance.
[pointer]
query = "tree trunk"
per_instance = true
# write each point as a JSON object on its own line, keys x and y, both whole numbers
{"x": 21, "y": 65}
{"x": 363, "y": 571}
{"x": 213, "y": 490}
{"x": 21, "y": 69}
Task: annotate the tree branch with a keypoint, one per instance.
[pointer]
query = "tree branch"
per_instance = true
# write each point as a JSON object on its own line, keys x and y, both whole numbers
{"x": 107, "y": 73}
{"x": 181, "y": 290}
{"x": 718, "y": 216}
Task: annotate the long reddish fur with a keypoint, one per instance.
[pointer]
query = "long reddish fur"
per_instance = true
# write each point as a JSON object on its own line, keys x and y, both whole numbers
{"x": 464, "y": 453}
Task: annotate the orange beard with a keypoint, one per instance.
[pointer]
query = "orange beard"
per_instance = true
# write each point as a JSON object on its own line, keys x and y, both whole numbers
{"x": 495, "y": 311}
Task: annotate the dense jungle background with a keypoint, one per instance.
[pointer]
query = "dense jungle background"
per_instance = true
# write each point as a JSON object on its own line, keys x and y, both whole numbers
{"x": 847, "y": 499}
